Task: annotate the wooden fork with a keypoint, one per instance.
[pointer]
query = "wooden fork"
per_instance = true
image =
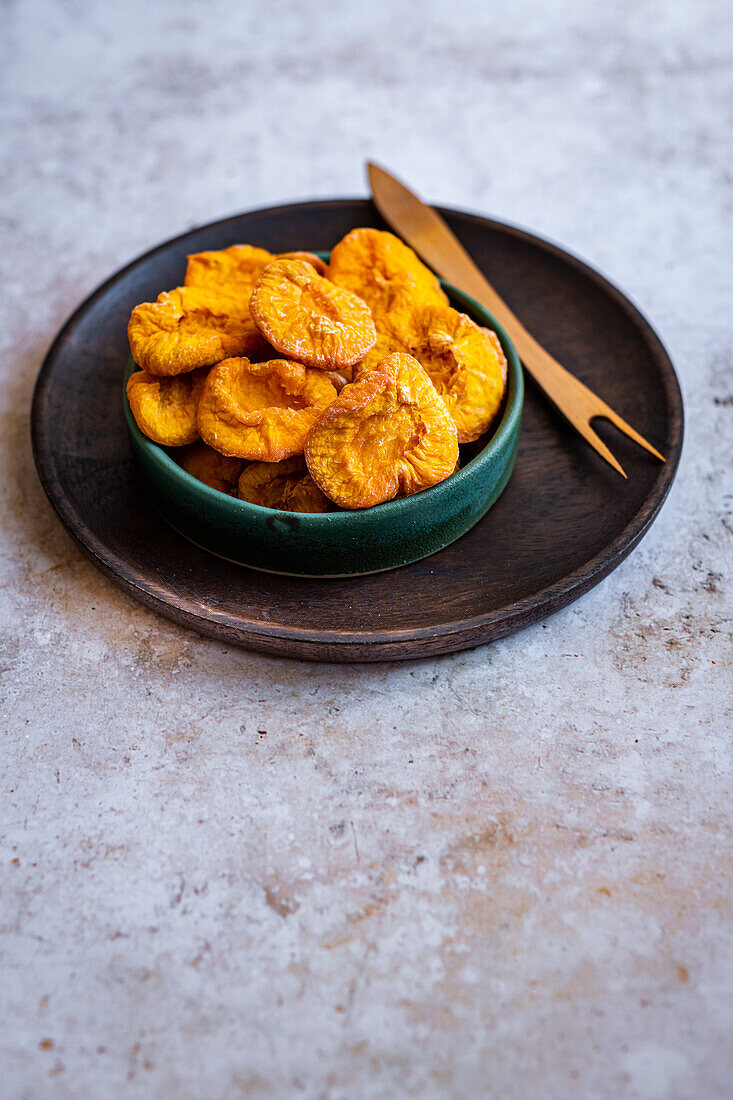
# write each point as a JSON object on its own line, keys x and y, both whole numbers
{"x": 424, "y": 229}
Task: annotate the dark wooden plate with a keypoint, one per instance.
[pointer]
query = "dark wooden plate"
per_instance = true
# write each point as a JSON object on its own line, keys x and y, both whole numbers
{"x": 564, "y": 522}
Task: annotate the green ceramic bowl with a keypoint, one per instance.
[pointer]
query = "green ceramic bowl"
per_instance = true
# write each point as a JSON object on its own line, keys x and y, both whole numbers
{"x": 339, "y": 544}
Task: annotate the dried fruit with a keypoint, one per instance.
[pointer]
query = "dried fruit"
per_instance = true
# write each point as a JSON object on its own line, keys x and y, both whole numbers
{"x": 309, "y": 319}
{"x": 496, "y": 344}
{"x": 306, "y": 257}
{"x": 261, "y": 410}
{"x": 285, "y": 485}
{"x": 402, "y": 378}
{"x": 465, "y": 363}
{"x": 340, "y": 378}
{"x": 190, "y": 327}
{"x": 383, "y": 271}
{"x": 235, "y": 270}
{"x": 232, "y": 270}
{"x": 393, "y": 334}
{"x": 385, "y": 434}
{"x": 215, "y": 470}
{"x": 165, "y": 408}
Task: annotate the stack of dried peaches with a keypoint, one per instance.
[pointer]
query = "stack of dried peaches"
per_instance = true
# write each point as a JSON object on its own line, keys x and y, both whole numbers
{"x": 307, "y": 387}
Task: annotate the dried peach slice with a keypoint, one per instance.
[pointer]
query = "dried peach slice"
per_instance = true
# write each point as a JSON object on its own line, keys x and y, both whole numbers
{"x": 165, "y": 408}
{"x": 230, "y": 270}
{"x": 190, "y": 327}
{"x": 496, "y": 344}
{"x": 306, "y": 257}
{"x": 285, "y": 485}
{"x": 309, "y": 319}
{"x": 388, "y": 433}
{"x": 465, "y": 363}
{"x": 215, "y": 470}
{"x": 236, "y": 269}
{"x": 382, "y": 270}
{"x": 392, "y": 331}
{"x": 261, "y": 410}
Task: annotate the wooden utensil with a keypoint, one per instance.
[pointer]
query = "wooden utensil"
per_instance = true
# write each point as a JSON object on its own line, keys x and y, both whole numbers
{"x": 424, "y": 229}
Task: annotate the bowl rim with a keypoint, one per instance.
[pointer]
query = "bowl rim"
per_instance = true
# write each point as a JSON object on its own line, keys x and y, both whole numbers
{"x": 506, "y": 427}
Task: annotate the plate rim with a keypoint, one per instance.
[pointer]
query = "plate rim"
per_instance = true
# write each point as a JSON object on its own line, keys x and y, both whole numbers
{"x": 166, "y": 600}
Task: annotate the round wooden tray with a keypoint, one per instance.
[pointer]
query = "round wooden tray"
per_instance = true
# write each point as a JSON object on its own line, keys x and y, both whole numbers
{"x": 563, "y": 523}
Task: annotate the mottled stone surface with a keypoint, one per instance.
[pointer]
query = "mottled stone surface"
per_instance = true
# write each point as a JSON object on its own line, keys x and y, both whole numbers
{"x": 501, "y": 873}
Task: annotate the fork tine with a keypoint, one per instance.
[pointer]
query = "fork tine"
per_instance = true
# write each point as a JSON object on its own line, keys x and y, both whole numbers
{"x": 597, "y": 443}
{"x": 622, "y": 426}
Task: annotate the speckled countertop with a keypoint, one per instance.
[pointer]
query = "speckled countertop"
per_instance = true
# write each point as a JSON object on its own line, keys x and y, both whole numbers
{"x": 503, "y": 873}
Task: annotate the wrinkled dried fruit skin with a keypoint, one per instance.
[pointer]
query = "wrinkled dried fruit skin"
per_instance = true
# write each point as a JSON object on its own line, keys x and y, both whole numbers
{"x": 190, "y": 327}
{"x": 340, "y": 378}
{"x": 385, "y": 434}
{"x": 393, "y": 334}
{"x": 383, "y": 271}
{"x": 165, "y": 408}
{"x": 503, "y": 365}
{"x": 307, "y": 318}
{"x": 236, "y": 269}
{"x": 286, "y": 486}
{"x": 232, "y": 270}
{"x": 215, "y": 470}
{"x": 261, "y": 411}
{"x": 306, "y": 257}
{"x": 465, "y": 363}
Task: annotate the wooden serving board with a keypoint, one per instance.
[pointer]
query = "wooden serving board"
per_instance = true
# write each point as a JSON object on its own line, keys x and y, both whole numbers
{"x": 563, "y": 523}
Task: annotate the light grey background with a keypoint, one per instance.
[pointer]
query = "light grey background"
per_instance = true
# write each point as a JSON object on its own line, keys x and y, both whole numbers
{"x": 502, "y": 873}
